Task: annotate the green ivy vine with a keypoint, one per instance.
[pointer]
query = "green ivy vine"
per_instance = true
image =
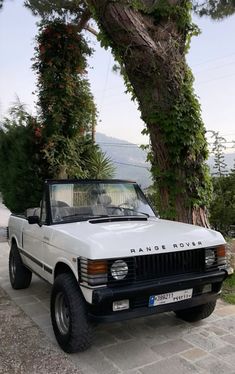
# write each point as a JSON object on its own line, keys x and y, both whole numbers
{"x": 65, "y": 102}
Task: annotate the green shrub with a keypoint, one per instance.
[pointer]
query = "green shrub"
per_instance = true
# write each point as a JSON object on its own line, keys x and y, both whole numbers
{"x": 21, "y": 170}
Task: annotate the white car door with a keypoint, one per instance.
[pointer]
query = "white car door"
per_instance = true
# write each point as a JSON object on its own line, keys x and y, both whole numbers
{"x": 33, "y": 238}
{"x": 32, "y": 247}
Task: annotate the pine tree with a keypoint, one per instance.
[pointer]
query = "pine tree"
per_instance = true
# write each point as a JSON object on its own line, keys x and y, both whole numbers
{"x": 218, "y": 149}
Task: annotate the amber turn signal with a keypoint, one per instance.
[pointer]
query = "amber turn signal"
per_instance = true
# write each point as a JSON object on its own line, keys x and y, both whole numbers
{"x": 97, "y": 267}
{"x": 221, "y": 251}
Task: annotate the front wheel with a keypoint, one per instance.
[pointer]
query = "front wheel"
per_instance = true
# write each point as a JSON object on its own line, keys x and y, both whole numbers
{"x": 20, "y": 276}
{"x": 197, "y": 312}
{"x": 70, "y": 322}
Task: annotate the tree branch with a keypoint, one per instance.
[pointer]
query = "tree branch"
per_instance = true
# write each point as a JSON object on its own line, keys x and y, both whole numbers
{"x": 84, "y": 19}
{"x": 91, "y": 30}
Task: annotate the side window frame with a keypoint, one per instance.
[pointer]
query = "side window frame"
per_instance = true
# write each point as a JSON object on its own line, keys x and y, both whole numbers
{"x": 45, "y": 207}
{"x": 43, "y": 215}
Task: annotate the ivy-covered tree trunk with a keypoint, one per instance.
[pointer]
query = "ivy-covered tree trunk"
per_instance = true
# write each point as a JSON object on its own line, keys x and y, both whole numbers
{"x": 65, "y": 103}
{"x": 150, "y": 40}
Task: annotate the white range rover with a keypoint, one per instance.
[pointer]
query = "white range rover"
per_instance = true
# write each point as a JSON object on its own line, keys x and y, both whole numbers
{"x": 109, "y": 258}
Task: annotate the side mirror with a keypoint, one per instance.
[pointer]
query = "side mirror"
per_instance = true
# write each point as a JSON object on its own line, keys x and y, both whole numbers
{"x": 33, "y": 219}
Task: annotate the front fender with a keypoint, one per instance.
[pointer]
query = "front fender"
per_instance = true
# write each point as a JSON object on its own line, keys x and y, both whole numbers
{"x": 71, "y": 265}
{"x": 12, "y": 239}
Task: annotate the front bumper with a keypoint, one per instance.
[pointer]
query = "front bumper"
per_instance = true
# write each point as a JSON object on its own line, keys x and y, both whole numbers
{"x": 138, "y": 294}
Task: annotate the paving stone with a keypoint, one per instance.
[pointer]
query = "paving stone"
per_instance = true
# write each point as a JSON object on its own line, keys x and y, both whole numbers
{"x": 24, "y": 300}
{"x": 173, "y": 365}
{"x": 220, "y": 304}
{"x": 171, "y": 347}
{"x": 172, "y": 332}
{"x": 194, "y": 354}
{"x": 93, "y": 361}
{"x": 130, "y": 355}
{"x": 119, "y": 333}
{"x": 103, "y": 338}
{"x": 212, "y": 366}
{"x": 229, "y": 339}
{"x": 205, "y": 333}
{"x": 225, "y": 311}
{"x": 226, "y": 353}
{"x": 154, "y": 339}
{"x": 148, "y": 334}
{"x": 228, "y": 324}
{"x": 211, "y": 328}
{"x": 15, "y": 293}
{"x": 35, "y": 310}
{"x": 208, "y": 344}
{"x": 45, "y": 304}
{"x": 159, "y": 320}
{"x": 43, "y": 321}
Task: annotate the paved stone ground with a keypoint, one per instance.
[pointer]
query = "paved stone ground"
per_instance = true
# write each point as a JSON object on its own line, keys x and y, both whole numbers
{"x": 159, "y": 344}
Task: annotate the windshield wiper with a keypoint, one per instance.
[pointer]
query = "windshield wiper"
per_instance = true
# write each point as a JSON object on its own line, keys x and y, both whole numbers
{"x": 136, "y": 211}
{"x": 100, "y": 216}
{"x": 85, "y": 216}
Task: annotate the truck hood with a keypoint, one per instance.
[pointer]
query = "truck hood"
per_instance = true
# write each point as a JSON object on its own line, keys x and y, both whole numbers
{"x": 131, "y": 238}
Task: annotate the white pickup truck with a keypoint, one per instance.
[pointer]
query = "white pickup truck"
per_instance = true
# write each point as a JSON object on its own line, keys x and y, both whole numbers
{"x": 108, "y": 257}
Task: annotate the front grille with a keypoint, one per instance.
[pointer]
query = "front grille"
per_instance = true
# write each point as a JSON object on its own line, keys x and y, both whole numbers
{"x": 167, "y": 264}
{"x": 161, "y": 265}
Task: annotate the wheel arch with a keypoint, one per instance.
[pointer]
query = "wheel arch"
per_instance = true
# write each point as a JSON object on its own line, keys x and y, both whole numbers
{"x": 13, "y": 240}
{"x": 64, "y": 267}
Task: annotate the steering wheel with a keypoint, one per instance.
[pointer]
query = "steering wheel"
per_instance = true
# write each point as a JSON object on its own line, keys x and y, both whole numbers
{"x": 121, "y": 207}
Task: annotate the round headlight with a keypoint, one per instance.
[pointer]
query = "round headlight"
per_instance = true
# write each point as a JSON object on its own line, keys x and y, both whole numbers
{"x": 119, "y": 269}
{"x": 210, "y": 257}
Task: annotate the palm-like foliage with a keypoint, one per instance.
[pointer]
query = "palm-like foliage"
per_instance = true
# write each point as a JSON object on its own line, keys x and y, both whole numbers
{"x": 100, "y": 166}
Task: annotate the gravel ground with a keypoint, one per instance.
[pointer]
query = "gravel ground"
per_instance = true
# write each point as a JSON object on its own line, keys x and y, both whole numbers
{"x": 24, "y": 349}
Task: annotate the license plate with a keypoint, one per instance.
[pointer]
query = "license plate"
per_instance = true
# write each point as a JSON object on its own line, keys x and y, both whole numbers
{"x": 170, "y": 297}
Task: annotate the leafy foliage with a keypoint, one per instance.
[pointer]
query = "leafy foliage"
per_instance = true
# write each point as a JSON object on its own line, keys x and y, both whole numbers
{"x": 228, "y": 290}
{"x": 222, "y": 208}
{"x": 100, "y": 166}
{"x": 173, "y": 121}
{"x": 218, "y": 151}
{"x": 67, "y": 11}
{"x": 183, "y": 134}
{"x": 58, "y": 142}
{"x": 216, "y": 9}
{"x": 65, "y": 103}
{"x": 21, "y": 169}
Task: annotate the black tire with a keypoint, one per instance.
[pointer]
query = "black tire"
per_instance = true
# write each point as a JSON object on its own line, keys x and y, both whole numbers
{"x": 197, "y": 312}
{"x": 70, "y": 322}
{"x": 20, "y": 276}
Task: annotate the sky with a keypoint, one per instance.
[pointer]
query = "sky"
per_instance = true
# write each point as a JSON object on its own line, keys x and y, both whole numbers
{"x": 211, "y": 57}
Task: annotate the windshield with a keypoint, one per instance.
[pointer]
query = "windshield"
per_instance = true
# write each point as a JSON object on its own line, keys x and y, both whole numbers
{"x": 81, "y": 201}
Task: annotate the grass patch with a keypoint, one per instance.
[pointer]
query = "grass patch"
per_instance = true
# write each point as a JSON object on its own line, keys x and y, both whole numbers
{"x": 229, "y": 298}
{"x": 228, "y": 290}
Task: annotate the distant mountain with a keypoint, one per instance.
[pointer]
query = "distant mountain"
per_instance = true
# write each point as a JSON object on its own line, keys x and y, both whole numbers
{"x": 130, "y": 160}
